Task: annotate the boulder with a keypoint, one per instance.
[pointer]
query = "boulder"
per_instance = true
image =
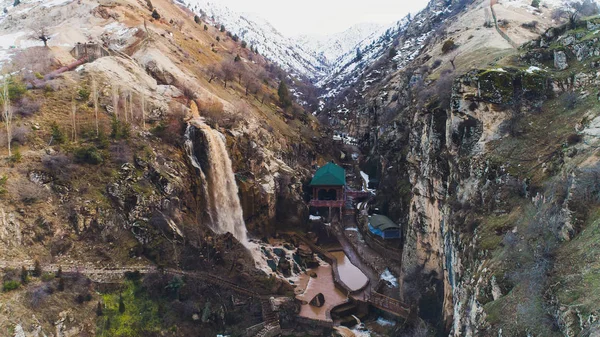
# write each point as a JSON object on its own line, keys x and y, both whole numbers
{"x": 318, "y": 301}
{"x": 560, "y": 60}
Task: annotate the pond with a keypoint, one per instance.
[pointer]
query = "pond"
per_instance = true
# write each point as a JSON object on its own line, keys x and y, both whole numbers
{"x": 353, "y": 277}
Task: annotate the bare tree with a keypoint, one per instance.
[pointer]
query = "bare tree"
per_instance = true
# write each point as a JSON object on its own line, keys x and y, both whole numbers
{"x": 131, "y": 105}
{"x": 115, "y": 99}
{"x": 43, "y": 35}
{"x": 251, "y": 86}
{"x": 213, "y": 71}
{"x": 228, "y": 70}
{"x": 95, "y": 98}
{"x": 74, "y": 119}
{"x": 7, "y": 113}
{"x": 143, "y": 104}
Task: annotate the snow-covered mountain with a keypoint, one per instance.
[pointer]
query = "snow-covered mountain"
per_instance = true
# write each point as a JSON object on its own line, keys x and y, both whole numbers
{"x": 332, "y": 47}
{"x": 282, "y": 50}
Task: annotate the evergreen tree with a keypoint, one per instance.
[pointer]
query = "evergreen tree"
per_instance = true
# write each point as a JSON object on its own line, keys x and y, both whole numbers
{"x": 222, "y": 28}
{"x": 205, "y": 27}
{"x": 244, "y": 44}
{"x": 24, "y": 275}
{"x": 37, "y": 269}
{"x": 392, "y": 53}
{"x": 16, "y": 3}
{"x": 284, "y": 95}
{"x": 121, "y": 304}
{"x": 197, "y": 19}
{"x": 59, "y": 272}
{"x": 358, "y": 54}
{"x": 61, "y": 284}
{"x": 237, "y": 58}
{"x": 99, "y": 309}
{"x": 155, "y": 14}
{"x": 535, "y": 3}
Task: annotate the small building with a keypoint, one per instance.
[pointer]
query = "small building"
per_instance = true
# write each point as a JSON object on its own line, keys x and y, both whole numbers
{"x": 329, "y": 188}
{"x": 383, "y": 227}
{"x": 329, "y": 183}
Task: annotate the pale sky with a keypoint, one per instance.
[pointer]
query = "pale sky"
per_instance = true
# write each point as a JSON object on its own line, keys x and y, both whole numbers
{"x": 295, "y": 17}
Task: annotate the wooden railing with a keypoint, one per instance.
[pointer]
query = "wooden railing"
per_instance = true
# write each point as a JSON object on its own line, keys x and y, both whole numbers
{"x": 327, "y": 203}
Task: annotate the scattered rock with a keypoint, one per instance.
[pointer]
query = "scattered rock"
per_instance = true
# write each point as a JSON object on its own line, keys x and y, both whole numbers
{"x": 560, "y": 60}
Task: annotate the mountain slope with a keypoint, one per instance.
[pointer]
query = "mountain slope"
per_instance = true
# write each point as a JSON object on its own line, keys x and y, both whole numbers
{"x": 258, "y": 32}
{"x": 332, "y": 47}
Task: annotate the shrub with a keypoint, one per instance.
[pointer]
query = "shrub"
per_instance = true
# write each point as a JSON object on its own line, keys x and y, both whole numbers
{"x": 38, "y": 75}
{"x": 569, "y": 100}
{"x": 20, "y": 134}
{"x": 84, "y": 94}
{"x": 88, "y": 155}
{"x": 38, "y": 294}
{"x": 119, "y": 129}
{"x": 448, "y": 46}
{"x": 16, "y": 156}
{"x": 3, "y": 181}
{"x": 47, "y": 277}
{"x": 57, "y": 133}
{"x": 27, "y": 107}
{"x": 10, "y": 285}
{"x": 16, "y": 89}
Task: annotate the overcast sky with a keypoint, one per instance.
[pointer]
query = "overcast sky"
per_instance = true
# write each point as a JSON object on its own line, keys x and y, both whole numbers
{"x": 325, "y": 16}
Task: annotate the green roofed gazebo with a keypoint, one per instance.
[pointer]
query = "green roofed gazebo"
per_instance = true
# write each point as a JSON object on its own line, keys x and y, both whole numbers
{"x": 329, "y": 175}
{"x": 329, "y": 183}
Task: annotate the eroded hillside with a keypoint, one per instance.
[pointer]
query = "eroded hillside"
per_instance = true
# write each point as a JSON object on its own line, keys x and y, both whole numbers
{"x": 98, "y": 176}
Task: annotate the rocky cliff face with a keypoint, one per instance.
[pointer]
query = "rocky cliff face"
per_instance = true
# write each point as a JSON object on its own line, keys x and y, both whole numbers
{"x": 482, "y": 168}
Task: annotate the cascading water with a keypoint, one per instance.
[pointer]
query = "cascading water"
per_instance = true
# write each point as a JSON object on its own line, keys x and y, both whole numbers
{"x": 220, "y": 189}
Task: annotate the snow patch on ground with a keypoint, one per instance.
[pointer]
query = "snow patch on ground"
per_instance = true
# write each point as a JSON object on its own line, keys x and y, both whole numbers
{"x": 54, "y": 3}
{"x": 385, "y": 322}
{"x": 314, "y": 217}
{"x": 533, "y": 69}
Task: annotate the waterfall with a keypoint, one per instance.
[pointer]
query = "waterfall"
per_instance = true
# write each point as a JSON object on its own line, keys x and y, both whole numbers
{"x": 219, "y": 187}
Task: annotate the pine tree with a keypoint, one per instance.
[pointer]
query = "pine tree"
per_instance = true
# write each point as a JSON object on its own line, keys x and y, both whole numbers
{"x": 155, "y": 14}
{"x": 244, "y": 44}
{"x": 121, "y": 304}
{"x": 392, "y": 53}
{"x": 37, "y": 269}
{"x": 61, "y": 284}
{"x": 237, "y": 58}
{"x": 16, "y": 3}
{"x": 535, "y": 3}
{"x": 197, "y": 19}
{"x": 99, "y": 309}
{"x": 358, "y": 54}
{"x": 59, "y": 272}
{"x": 24, "y": 275}
{"x": 205, "y": 27}
{"x": 222, "y": 28}
{"x": 284, "y": 95}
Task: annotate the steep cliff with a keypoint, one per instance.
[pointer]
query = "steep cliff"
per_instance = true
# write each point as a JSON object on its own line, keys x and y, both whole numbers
{"x": 487, "y": 158}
